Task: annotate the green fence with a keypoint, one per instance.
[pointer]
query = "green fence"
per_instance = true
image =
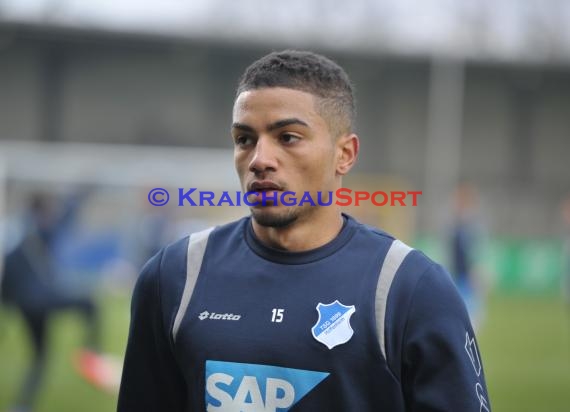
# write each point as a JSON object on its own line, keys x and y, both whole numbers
{"x": 514, "y": 265}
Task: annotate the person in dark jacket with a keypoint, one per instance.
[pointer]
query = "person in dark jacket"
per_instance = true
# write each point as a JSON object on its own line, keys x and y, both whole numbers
{"x": 29, "y": 284}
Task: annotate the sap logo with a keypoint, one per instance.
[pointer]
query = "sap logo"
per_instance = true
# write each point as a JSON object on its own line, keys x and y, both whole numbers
{"x": 244, "y": 387}
{"x": 218, "y": 316}
{"x": 279, "y": 394}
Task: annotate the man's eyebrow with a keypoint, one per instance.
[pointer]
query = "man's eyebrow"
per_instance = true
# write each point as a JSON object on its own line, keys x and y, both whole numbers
{"x": 286, "y": 122}
{"x": 243, "y": 127}
{"x": 277, "y": 125}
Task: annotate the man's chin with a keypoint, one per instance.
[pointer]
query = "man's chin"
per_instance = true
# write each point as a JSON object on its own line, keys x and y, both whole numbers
{"x": 273, "y": 218}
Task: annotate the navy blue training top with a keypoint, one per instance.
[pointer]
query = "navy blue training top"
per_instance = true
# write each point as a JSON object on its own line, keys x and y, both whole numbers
{"x": 363, "y": 323}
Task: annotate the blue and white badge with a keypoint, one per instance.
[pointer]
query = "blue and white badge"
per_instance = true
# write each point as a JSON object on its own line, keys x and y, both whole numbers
{"x": 333, "y": 327}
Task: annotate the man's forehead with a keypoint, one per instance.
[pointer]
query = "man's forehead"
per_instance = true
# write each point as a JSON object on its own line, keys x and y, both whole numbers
{"x": 266, "y": 100}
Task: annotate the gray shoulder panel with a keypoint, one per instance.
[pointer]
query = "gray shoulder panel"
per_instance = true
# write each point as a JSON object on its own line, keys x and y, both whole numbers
{"x": 394, "y": 258}
{"x": 196, "y": 249}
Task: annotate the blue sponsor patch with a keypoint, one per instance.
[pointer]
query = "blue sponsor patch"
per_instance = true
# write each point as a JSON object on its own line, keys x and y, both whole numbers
{"x": 245, "y": 387}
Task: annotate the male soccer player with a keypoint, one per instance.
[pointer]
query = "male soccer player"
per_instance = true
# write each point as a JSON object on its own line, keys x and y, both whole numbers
{"x": 466, "y": 236}
{"x": 297, "y": 308}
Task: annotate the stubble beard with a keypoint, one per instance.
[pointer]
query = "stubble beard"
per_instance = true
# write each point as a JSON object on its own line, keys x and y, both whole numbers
{"x": 267, "y": 218}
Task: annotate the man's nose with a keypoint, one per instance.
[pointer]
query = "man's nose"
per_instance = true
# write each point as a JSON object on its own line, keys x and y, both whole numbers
{"x": 264, "y": 157}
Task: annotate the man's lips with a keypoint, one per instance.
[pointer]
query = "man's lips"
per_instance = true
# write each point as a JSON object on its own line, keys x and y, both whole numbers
{"x": 262, "y": 186}
{"x": 258, "y": 189}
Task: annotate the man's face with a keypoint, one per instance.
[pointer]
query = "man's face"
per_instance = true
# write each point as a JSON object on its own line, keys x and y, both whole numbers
{"x": 282, "y": 144}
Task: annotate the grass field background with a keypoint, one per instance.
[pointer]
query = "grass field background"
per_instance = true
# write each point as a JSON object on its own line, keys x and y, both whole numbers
{"x": 525, "y": 346}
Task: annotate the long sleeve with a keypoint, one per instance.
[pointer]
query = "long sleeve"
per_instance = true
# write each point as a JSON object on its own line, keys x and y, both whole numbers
{"x": 442, "y": 369}
{"x": 151, "y": 379}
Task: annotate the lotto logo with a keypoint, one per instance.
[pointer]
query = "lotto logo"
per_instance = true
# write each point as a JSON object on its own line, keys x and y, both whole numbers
{"x": 218, "y": 316}
{"x": 237, "y": 387}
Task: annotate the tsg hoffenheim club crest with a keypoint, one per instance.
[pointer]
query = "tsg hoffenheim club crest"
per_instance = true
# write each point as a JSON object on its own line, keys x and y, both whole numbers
{"x": 333, "y": 327}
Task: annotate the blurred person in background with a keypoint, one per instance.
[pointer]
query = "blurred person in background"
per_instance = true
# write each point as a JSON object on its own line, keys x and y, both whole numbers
{"x": 465, "y": 242}
{"x": 30, "y": 284}
{"x": 297, "y": 306}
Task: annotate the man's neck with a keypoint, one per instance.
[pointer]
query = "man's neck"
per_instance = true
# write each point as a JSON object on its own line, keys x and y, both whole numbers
{"x": 303, "y": 235}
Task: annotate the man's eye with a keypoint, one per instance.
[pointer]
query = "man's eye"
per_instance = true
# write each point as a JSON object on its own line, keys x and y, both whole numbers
{"x": 243, "y": 140}
{"x": 289, "y": 138}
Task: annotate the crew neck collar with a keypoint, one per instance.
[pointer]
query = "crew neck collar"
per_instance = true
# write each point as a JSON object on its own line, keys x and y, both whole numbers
{"x": 299, "y": 258}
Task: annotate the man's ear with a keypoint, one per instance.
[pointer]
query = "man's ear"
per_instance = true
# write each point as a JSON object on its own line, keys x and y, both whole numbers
{"x": 347, "y": 147}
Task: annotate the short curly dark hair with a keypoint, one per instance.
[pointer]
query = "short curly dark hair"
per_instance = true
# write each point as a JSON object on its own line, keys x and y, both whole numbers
{"x": 308, "y": 72}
